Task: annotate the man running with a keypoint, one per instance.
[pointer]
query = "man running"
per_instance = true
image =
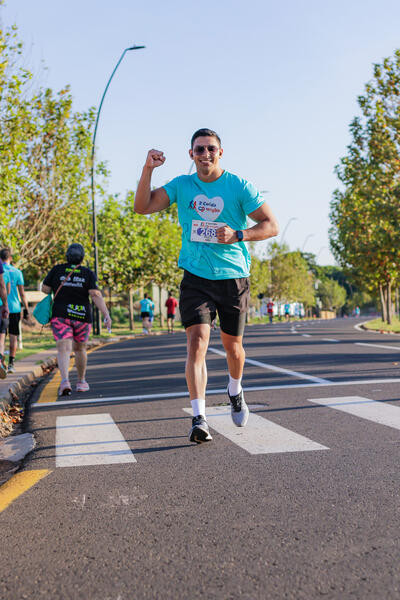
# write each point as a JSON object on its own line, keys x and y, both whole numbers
{"x": 145, "y": 312}
{"x": 270, "y": 310}
{"x": 171, "y": 303}
{"x": 16, "y": 297}
{"x": 213, "y": 206}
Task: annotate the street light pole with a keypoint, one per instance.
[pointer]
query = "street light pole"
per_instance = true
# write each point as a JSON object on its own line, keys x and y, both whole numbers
{"x": 305, "y": 241}
{"x": 94, "y": 221}
{"x": 286, "y": 226}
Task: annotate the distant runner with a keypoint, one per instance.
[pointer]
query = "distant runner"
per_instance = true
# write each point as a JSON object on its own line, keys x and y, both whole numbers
{"x": 3, "y": 316}
{"x": 74, "y": 286}
{"x": 146, "y": 309}
{"x": 213, "y": 206}
{"x": 171, "y": 303}
{"x": 287, "y": 311}
{"x": 16, "y": 298}
{"x": 270, "y": 311}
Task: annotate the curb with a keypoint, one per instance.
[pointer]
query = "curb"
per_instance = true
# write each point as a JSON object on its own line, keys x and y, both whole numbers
{"x": 378, "y": 331}
{"x": 19, "y": 387}
{"x": 13, "y": 450}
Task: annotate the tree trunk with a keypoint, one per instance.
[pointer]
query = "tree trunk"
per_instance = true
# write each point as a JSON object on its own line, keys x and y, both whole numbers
{"x": 382, "y": 291}
{"x": 389, "y": 302}
{"x": 159, "y": 302}
{"x": 131, "y": 316}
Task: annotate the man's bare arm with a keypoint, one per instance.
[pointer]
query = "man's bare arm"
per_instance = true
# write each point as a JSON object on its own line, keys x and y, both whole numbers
{"x": 266, "y": 227}
{"x": 21, "y": 291}
{"x": 149, "y": 201}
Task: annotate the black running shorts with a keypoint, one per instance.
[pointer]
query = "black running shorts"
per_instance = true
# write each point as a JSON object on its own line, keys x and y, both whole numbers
{"x": 3, "y": 325}
{"x": 201, "y": 299}
{"x": 13, "y": 326}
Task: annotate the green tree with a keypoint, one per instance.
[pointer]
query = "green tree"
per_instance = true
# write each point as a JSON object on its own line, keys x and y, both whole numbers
{"x": 332, "y": 294}
{"x": 44, "y": 164}
{"x": 365, "y": 237}
{"x": 291, "y": 279}
{"x": 260, "y": 277}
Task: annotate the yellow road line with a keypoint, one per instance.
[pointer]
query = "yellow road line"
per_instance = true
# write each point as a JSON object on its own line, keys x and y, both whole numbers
{"x": 50, "y": 391}
{"x": 18, "y": 484}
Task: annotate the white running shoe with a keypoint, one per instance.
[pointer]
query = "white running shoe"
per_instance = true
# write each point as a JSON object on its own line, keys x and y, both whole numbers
{"x": 239, "y": 409}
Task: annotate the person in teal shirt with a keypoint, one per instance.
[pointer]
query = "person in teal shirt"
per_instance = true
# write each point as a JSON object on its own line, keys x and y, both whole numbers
{"x": 146, "y": 312}
{"x": 213, "y": 206}
{"x": 16, "y": 295}
{"x": 4, "y": 316}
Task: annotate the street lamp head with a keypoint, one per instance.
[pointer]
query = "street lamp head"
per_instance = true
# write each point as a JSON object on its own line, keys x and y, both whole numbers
{"x": 134, "y": 47}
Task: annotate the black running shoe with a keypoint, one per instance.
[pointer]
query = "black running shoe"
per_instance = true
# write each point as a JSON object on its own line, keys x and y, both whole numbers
{"x": 239, "y": 409}
{"x": 199, "y": 432}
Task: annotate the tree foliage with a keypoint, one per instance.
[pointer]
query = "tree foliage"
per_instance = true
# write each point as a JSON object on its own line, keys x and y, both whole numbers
{"x": 291, "y": 279}
{"x": 365, "y": 213}
{"x": 44, "y": 164}
{"x": 332, "y": 294}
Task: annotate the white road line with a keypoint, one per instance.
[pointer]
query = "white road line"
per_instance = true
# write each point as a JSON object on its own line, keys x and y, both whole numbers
{"x": 217, "y": 392}
{"x": 83, "y": 440}
{"x": 378, "y": 346}
{"x": 329, "y": 340}
{"x": 371, "y": 410}
{"x": 269, "y": 367}
{"x": 306, "y": 335}
{"x": 260, "y": 436}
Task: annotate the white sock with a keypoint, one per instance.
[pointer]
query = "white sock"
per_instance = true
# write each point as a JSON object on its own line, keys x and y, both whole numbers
{"x": 198, "y": 407}
{"x": 235, "y": 386}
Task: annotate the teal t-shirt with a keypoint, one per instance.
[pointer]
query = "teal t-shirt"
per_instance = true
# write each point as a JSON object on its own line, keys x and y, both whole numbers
{"x": 13, "y": 276}
{"x": 16, "y": 278}
{"x": 146, "y": 305}
{"x": 228, "y": 200}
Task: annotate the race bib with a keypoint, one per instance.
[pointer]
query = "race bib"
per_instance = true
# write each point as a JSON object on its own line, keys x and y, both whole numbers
{"x": 205, "y": 231}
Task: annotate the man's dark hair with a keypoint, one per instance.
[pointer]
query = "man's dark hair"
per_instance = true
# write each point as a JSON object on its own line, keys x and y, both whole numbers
{"x": 205, "y": 132}
{"x": 5, "y": 253}
{"x": 145, "y": 295}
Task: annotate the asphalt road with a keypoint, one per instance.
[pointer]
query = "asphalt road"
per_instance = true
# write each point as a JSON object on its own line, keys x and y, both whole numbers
{"x": 304, "y": 505}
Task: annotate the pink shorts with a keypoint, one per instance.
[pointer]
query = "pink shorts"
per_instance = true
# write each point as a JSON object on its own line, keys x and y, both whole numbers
{"x": 64, "y": 329}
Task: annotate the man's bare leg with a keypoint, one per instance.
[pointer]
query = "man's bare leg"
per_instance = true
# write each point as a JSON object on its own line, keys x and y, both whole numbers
{"x": 13, "y": 346}
{"x": 235, "y": 356}
{"x": 198, "y": 337}
{"x": 196, "y": 377}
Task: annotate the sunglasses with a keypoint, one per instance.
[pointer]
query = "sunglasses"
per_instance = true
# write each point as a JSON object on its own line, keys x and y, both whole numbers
{"x": 202, "y": 149}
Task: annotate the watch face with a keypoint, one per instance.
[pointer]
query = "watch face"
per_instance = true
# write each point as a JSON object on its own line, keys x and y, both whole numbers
{"x": 239, "y": 235}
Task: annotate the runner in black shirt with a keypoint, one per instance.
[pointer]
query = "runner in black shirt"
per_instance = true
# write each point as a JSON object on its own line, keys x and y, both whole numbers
{"x": 72, "y": 315}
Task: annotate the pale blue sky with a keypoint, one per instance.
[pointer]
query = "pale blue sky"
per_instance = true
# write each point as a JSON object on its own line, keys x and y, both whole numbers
{"x": 278, "y": 81}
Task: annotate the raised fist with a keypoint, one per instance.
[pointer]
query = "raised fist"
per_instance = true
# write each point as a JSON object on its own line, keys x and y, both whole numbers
{"x": 155, "y": 158}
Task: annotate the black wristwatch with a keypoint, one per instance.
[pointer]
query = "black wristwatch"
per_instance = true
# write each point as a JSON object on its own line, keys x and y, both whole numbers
{"x": 239, "y": 236}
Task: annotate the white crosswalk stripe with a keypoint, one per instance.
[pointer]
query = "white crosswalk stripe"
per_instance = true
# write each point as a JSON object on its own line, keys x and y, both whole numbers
{"x": 270, "y": 367}
{"x": 94, "y": 439}
{"x": 260, "y": 436}
{"x": 378, "y": 412}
